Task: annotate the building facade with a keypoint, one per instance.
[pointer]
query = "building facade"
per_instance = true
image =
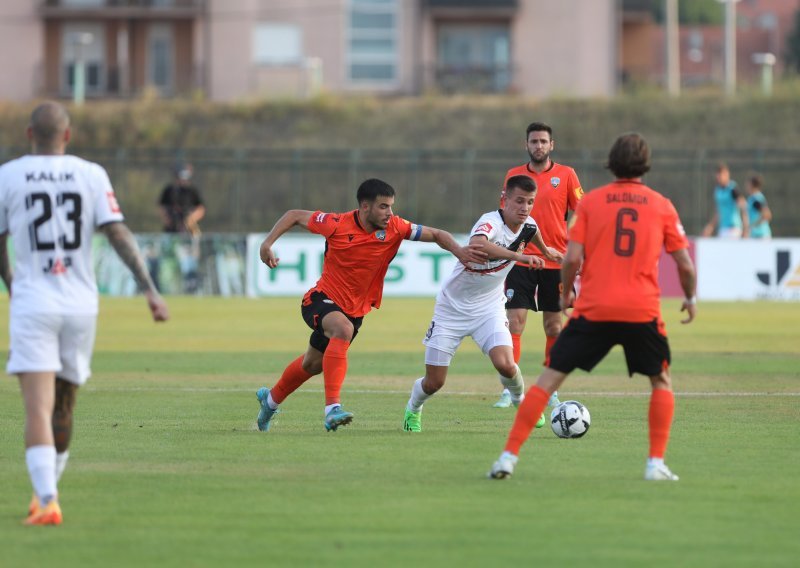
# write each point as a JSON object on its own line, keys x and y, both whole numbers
{"x": 240, "y": 49}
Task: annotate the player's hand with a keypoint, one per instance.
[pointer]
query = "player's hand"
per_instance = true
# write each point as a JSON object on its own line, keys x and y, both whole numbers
{"x": 565, "y": 301}
{"x": 471, "y": 254}
{"x": 158, "y": 307}
{"x": 268, "y": 256}
{"x": 533, "y": 261}
{"x": 690, "y": 307}
{"x": 554, "y": 255}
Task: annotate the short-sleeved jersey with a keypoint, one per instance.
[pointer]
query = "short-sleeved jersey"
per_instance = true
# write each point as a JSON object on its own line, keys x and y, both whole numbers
{"x": 755, "y": 204}
{"x": 725, "y": 198}
{"x": 623, "y": 226}
{"x": 558, "y": 193}
{"x": 356, "y": 261}
{"x": 477, "y": 290}
{"x": 50, "y": 206}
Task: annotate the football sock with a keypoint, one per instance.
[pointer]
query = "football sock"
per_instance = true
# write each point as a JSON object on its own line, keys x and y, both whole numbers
{"x": 528, "y": 414}
{"x": 516, "y": 346}
{"x": 662, "y": 408}
{"x": 418, "y": 396}
{"x": 548, "y": 345}
{"x": 293, "y": 376}
{"x": 61, "y": 464}
{"x": 334, "y": 368}
{"x": 41, "y": 461}
{"x": 514, "y": 385}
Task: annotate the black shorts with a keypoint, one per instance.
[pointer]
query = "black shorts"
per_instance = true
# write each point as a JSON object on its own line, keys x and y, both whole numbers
{"x": 316, "y": 306}
{"x": 583, "y": 344}
{"x": 537, "y": 290}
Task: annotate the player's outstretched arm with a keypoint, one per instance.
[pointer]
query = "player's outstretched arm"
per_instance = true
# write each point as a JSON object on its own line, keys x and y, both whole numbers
{"x": 5, "y": 264}
{"x": 465, "y": 255}
{"x": 569, "y": 270}
{"x": 549, "y": 252}
{"x": 293, "y": 217}
{"x": 688, "y": 278}
{"x": 125, "y": 245}
{"x": 708, "y": 230}
{"x": 502, "y": 253}
{"x": 741, "y": 203}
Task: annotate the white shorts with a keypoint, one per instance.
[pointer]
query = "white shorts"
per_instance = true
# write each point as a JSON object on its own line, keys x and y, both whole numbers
{"x": 52, "y": 343}
{"x": 730, "y": 233}
{"x": 445, "y": 334}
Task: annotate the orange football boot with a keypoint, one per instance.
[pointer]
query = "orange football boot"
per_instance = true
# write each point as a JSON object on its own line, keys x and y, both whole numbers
{"x": 50, "y": 514}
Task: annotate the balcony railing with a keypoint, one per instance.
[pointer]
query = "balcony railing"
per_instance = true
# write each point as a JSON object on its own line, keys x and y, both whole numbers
{"x": 123, "y": 8}
{"x": 469, "y": 79}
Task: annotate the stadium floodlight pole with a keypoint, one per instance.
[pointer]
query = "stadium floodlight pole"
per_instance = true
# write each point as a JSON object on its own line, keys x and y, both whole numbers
{"x": 673, "y": 48}
{"x": 80, "y": 41}
{"x": 730, "y": 46}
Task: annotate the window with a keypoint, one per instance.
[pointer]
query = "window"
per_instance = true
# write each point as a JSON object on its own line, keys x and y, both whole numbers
{"x": 373, "y": 42}
{"x": 83, "y": 42}
{"x": 473, "y": 57}
{"x": 160, "y": 57}
{"x": 277, "y": 44}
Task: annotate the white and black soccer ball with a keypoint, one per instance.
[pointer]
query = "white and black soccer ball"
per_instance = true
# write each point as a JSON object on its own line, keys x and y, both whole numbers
{"x": 570, "y": 419}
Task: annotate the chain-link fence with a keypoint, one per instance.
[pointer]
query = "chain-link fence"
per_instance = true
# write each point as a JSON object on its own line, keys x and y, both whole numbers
{"x": 246, "y": 190}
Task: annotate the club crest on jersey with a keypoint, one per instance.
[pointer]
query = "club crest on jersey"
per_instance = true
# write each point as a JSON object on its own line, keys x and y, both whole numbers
{"x": 380, "y": 235}
{"x": 554, "y": 181}
{"x": 57, "y": 266}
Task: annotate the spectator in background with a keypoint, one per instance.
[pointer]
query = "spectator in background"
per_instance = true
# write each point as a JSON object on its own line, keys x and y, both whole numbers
{"x": 759, "y": 214}
{"x": 730, "y": 212}
{"x": 180, "y": 203}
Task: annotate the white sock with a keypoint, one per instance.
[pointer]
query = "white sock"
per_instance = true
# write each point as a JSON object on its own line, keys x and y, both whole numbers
{"x": 515, "y": 385}
{"x": 41, "y": 461}
{"x": 505, "y": 391}
{"x": 61, "y": 464}
{"x": 655, "y": 462}
{"x": 271, "y": 402}
{"x": 329, "y": 407}
{"x": 510, "y": 456}
{"x": 418, "y": 396}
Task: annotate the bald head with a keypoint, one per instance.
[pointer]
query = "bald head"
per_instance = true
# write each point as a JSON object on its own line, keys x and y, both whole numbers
{"x": 49, "y": 128}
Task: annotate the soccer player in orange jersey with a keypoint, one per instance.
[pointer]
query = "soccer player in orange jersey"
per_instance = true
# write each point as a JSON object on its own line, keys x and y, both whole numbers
{"x": 539, "y": 290}
{"x": 618, "y": 233}
{"x": 359, "y": 245}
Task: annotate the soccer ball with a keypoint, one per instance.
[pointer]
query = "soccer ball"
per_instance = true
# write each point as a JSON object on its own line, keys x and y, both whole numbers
{"x": 570, "y": 419}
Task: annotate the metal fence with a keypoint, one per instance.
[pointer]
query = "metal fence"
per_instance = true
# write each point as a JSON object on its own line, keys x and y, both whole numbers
{"x": 246, "y": 189}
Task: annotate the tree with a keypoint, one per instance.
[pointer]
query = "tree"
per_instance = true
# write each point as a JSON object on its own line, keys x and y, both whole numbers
{"x": 793, "y": 46}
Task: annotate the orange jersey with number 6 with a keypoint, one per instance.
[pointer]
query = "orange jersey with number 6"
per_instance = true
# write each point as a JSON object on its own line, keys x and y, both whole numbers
{"x": 623, "y": 226}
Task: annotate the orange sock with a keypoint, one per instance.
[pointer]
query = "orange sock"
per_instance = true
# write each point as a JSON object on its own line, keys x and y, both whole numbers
{"x": 293, "y": 376}
{"x": 527, "y": 416}
{"x": 334, "y": 368}
{"x": 516, "y": 346}
{"x": 548, "y": 345}
{"x": 662, "y": 408}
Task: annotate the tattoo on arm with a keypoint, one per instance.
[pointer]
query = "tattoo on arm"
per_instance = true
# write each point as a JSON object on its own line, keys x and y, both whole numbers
{"x": 125, "y": 245}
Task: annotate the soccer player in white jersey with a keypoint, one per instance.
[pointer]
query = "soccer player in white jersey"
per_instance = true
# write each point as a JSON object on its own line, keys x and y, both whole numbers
{"x": 472, "y": 302}
{"x": 50, "y": 205}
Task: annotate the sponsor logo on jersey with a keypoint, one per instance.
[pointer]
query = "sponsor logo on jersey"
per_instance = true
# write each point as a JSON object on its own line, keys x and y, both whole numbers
{"x": 49, "y": 176}
{"x": 327, "y": 301}
{"x": 350, "y": 238}
{"x": 57, "y": 266}
{"x": 554, "y": 181}
{"x": 380, "y": 235}
{"x": 112, "y": 202}
{"x": 484, "y": 228}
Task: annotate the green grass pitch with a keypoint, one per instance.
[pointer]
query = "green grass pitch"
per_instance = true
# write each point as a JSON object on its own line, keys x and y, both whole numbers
{"x": 167, "y": 467}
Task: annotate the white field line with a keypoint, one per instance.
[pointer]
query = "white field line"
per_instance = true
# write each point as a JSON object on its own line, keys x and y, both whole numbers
{"x": 564, "y": 396}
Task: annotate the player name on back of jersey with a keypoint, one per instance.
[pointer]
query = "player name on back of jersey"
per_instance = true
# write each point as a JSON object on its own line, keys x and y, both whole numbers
{"x": 626, "y": 197}
{"x": 49, "y": 176}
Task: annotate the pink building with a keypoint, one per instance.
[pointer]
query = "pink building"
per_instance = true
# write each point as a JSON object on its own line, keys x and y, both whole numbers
{"x": 239, "y": 49}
